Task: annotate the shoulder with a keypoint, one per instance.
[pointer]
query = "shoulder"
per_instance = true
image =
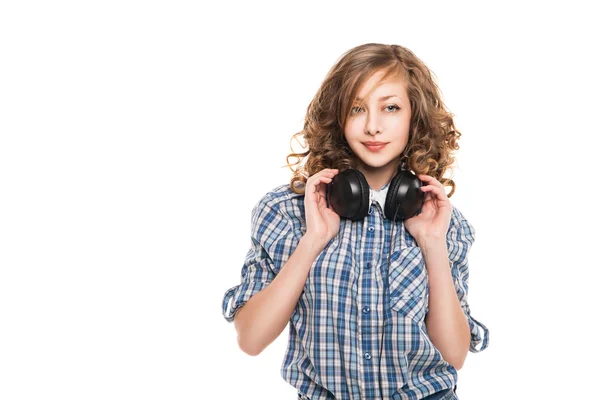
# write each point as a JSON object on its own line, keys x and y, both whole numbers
{"x": 281, "y": 197}
{"x": 460, "y": 226}
{"x": 278, "y": 214}
{"x": 458, "y": 218}
{"x": 281, "y": 201}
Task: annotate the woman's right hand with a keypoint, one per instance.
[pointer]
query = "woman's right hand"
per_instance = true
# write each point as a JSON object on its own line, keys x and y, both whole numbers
{"x": 322, "y": 223}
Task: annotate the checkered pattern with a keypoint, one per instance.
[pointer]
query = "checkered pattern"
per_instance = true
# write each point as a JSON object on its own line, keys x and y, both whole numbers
{"x": 336, "y": 332}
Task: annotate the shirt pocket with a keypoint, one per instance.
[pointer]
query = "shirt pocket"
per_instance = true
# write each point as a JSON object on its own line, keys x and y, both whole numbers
{"x": 408, "y": 285}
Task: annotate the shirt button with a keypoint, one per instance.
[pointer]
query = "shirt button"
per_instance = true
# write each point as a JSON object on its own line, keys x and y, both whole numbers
{"x": 371, "y": 229}
{"x": 367, "y": 356}
{"x": 366, "y": 309}
{"x": 368, "y": 266}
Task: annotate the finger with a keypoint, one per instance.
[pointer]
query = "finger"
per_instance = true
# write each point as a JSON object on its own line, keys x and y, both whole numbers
{"x": 313, "y": 185}
{"x": 427, "y": 197}
{"x": 439, "y": 192}
{"x": 434, "y": 182}
{"x": 316, "y": 179}
{"x": 430, "y": 180}
{"x": 324, "y": 172}
{"x": 329, "y": 172}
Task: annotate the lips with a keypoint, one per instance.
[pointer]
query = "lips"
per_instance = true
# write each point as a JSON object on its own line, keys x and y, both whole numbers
{"x": 374, "y": 146}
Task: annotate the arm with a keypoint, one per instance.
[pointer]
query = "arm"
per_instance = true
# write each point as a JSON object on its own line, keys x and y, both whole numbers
{"x": 444, "y": 326}
{"x": 262, "y": 319}
{"x": 446, "y": 323}
{"x": 445, "y": 237}
{"x": 278, "y": 263}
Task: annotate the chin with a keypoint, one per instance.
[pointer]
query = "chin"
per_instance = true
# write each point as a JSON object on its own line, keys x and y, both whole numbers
{"x": 378, "y": 163}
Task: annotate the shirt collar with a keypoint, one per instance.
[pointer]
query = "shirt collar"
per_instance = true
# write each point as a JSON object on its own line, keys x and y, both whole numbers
{"x": 378, "y": 195}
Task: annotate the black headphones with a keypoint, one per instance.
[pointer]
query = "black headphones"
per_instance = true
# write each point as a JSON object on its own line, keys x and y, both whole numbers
{"x": 348, "y": 195}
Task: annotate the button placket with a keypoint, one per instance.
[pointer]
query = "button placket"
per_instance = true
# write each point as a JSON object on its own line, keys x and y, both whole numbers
{"x": 369, "y": 260}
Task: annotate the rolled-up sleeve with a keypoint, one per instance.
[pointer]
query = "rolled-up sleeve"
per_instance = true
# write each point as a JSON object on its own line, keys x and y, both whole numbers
{"x": 272, "y": 239}
{"x": 461, "y": 236}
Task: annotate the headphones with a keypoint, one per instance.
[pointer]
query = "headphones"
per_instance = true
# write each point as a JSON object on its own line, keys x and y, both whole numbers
{"x": 348, "y": 195}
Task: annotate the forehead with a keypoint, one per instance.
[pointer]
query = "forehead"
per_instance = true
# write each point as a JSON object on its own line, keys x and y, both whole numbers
{"x": 393, "y": 84}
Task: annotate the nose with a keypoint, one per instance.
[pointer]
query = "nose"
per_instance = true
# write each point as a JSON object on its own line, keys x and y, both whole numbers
{"x": 372, "y": 126}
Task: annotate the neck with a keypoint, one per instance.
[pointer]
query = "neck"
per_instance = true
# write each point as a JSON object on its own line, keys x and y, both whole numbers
{"x": 378, "y": 177}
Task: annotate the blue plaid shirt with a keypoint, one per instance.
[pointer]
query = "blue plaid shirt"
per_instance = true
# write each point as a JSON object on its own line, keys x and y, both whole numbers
{"x": 336, "y": 332}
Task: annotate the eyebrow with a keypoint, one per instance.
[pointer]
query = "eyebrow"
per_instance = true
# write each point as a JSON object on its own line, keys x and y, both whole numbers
{"x": 382, "y": 98}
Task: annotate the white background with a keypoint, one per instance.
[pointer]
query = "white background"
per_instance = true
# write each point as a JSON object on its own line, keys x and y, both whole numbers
{"x": 137, "y": 136}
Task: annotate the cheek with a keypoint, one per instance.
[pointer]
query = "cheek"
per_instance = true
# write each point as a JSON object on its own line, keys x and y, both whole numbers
{"x": 352, "y": 131}
{"x": 402, "y": 123}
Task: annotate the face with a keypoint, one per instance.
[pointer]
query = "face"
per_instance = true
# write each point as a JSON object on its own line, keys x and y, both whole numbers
{"x": 378, "y": 126}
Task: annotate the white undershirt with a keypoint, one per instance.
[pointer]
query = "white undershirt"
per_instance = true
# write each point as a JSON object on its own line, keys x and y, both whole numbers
{"x": 378, "y": 195}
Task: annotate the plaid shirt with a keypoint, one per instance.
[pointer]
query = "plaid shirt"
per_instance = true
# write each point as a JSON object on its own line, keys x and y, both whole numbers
{"x": 336, "y": 332}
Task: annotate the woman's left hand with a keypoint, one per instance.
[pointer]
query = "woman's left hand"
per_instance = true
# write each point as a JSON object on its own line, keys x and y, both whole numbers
{"x": 434, "y": 220}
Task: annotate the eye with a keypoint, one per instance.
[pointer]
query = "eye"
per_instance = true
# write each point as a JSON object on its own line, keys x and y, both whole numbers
{"x": 355, "y": 110}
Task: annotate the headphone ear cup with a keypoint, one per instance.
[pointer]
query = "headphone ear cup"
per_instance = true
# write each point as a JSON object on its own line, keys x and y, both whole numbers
{"x": 364, "y": 201}
{"x": 348, "y": 194}
{"x": 405, "y": 194}
{"x": 392, "y": 199}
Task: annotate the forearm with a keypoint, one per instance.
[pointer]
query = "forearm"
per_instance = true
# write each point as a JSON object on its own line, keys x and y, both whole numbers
{"x": 446, "y": 323}
{"x": 264, "y": 316}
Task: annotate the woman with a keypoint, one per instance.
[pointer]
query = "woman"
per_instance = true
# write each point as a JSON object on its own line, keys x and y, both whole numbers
{"x": 371, "y": 315}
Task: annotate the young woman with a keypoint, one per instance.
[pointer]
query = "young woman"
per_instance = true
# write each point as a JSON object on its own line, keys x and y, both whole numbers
{"x": 373, "y": 315}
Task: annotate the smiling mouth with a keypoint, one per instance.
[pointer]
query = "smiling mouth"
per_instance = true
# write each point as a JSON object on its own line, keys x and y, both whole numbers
{"x": 375, "y": 147}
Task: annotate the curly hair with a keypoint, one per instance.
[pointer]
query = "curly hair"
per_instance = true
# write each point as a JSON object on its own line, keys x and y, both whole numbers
{"x": 432, "y": 135}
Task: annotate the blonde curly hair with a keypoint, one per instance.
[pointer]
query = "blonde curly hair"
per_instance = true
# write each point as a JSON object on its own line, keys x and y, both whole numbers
{"x": 432, "y": 135}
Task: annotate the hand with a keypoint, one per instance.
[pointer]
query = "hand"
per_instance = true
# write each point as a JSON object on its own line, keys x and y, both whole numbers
{"x": 322, "y": 223}
{"x": 434, "y": 220}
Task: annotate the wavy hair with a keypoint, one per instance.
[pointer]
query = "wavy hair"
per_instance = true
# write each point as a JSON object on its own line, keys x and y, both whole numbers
{"x": 432, "y": 135}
